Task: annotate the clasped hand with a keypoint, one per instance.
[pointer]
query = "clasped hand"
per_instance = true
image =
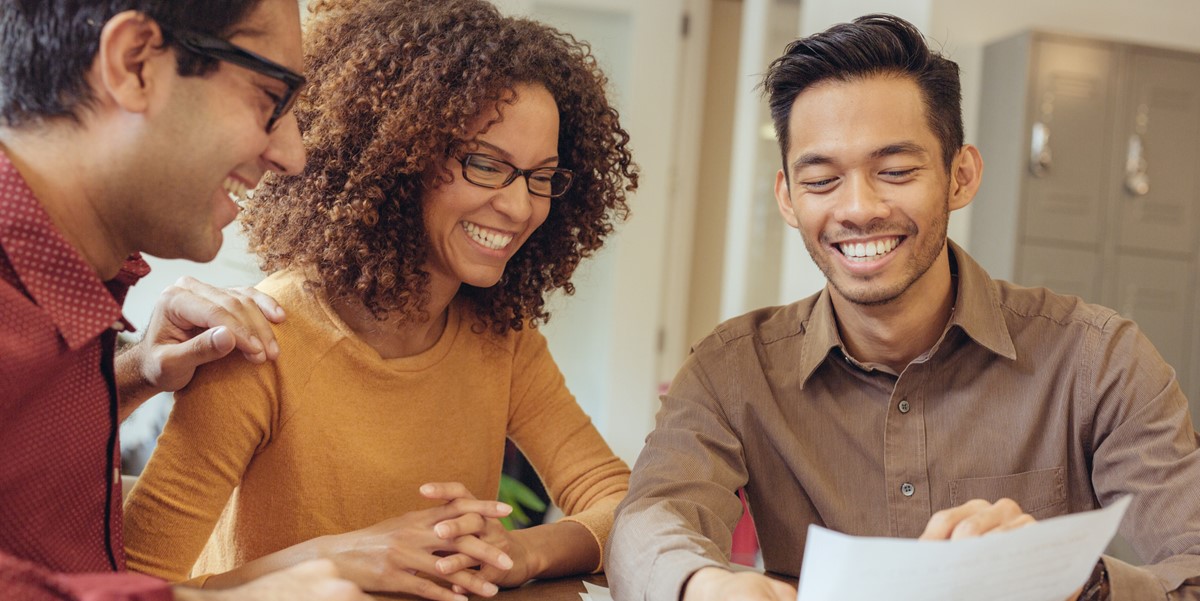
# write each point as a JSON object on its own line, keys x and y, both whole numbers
{"x": 444, "y": 543}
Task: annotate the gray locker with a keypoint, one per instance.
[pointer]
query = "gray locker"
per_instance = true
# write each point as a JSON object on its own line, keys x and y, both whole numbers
{"x": 1092, "y": 181}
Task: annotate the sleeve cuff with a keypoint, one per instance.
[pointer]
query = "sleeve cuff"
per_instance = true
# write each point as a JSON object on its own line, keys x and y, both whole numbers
{"x": 120, "y": 586}
{"x": 672, "y": 570}
{"x": 1130, "y": 583}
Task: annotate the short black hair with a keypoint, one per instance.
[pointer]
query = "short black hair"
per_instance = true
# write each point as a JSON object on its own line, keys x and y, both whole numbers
{"x": 875, "y": 44}
{"x": 48, "y": 46}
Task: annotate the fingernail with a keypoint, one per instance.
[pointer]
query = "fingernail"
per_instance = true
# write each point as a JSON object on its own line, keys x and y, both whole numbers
{"x": 256, "y": 343}
{"x": 442, "y": 566}
{"x": 506, "y": 562}
{"x": 490, "y": 589}
{"x": 274, "y": 349}
{"x": 279, "y": 313}
{"x": 222, "y": 338}
{"x": 460, "y": 598}
{"x": 442, "y": 530}
{"x": 426, "y": 489}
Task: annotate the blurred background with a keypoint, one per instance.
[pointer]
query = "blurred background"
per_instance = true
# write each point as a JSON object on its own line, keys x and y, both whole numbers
{"x": 1089, "y": 128}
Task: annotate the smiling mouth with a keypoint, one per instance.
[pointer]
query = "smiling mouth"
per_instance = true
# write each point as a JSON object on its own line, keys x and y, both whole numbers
{"x": 487, "y": 238}
{"x": 861, "y": 252}
{"x": 237, "y": 191}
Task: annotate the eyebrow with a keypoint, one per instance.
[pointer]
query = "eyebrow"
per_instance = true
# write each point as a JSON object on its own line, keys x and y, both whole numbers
{"x": 812, "y": 159}
{"x": 899, "y": 148}
{"x": 504, "y": 154}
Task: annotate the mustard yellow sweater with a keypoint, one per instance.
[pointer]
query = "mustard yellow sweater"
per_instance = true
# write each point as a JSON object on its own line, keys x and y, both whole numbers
{"x": 331, "y": 438}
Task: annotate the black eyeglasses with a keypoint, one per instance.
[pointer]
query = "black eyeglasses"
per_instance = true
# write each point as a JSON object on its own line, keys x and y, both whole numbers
{"x": 490, "y": 172}
{"x": 216, "y": 48}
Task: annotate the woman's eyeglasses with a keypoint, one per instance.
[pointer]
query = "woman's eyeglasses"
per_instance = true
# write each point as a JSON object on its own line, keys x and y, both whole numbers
{"x": 490, "y": 172}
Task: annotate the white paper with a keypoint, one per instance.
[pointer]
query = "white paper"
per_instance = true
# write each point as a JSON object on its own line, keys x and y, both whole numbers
{"x": 595, "y": 593}
{"x": 1046, "y": 561}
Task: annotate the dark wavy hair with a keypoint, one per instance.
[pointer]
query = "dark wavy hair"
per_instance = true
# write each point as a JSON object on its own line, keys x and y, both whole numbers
{"x": 48, "y": 46}
{"x": 875, "y": 44}
{"x": 396, "y": 86}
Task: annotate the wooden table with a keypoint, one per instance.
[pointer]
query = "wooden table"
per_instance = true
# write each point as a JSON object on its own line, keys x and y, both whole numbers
{"x": 562, "y": 589}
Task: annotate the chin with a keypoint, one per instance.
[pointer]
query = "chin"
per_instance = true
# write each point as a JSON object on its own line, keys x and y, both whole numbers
{"x": 201, "y": 251}
{"x": 482, "y": 280}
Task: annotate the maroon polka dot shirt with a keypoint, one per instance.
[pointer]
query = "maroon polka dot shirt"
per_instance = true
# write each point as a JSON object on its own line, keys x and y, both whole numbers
{"x": 60, "y": 499}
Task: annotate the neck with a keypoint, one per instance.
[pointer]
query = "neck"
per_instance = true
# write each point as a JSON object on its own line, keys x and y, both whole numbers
{"x": 394, "y": 337}
{"x": 897, "y": 332}
{"x": 70, "y": 191}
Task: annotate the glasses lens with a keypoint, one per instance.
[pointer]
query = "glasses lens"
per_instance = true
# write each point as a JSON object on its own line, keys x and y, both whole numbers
{"x": 483, "y": 171}
{"x": 549, "y": 182}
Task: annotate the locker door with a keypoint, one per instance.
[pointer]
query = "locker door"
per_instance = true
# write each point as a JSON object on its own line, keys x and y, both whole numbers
{"x": 1160, "y": 160}
{"x": 1068, "y": 140}
{"x": 1065, "y": 271}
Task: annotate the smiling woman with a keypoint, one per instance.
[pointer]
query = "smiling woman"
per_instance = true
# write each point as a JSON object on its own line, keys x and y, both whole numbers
{"x": 462, "y": 164}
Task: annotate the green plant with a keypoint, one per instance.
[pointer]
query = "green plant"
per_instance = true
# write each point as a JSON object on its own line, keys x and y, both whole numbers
{"x": 520, "y": 497}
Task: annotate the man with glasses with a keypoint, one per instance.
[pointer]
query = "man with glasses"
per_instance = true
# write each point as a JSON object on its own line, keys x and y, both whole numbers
{"x": 126, "y": 126}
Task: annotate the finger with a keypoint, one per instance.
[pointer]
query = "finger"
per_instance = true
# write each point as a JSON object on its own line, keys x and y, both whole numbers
{"x": 471, "y": 523}
{"x": 267, "y": 304}
{"x": 458, "y": 507}
{"x": 456, "y": 562}
{"x": 470, "y": 580}
{"x": 1018, "y": 522}
{"x": 484, "y": 552}
{"x": 186, "y": 356}
{"x": 445, "y": 491}
{"x": 782, "y": 591}
{"x": 986, "y": 520}
{"x": 942, "y": 524}
{"x": 421, "y": 587}
{"x": 192, "y": 304}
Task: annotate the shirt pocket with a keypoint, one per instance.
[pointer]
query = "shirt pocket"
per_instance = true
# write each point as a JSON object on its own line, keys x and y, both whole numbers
{"x": 1040, "y": 493}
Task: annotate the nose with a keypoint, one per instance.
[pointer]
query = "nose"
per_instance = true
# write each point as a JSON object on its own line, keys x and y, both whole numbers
{"x": 860, "y": 203}
{"x": 514, "y": 200}
{"x": 285, "y": 148}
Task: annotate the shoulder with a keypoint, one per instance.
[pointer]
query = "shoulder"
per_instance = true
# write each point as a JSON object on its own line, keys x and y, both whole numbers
{"x": 766, "y": 325}
{"x": 1047, "y": 308}
{"x": 309, "y": 323}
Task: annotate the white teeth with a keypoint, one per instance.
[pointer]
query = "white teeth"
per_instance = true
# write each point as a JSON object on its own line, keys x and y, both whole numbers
{"x": 488, "y": 238}
{"x": 863, "y": 251}
{"x": 236, "y": 190}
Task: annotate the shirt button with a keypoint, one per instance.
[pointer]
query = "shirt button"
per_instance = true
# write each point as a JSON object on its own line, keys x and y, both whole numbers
{"x": 904, "y": 406}
{"x": 907, "y": 489}
{"x": 118, "y": 326}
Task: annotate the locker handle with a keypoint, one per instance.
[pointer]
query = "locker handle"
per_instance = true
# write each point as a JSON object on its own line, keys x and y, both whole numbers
{"x": 1137, "y": 180}
{"x": 1039, "y": 150}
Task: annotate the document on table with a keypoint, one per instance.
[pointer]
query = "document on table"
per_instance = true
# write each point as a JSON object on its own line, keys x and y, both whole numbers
{"x": 595, "y": 593}
{"x": 1045, "y": 561}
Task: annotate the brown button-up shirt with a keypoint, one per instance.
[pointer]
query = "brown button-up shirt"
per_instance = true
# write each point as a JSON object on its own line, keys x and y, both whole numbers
{"x": 1057, "y": 404}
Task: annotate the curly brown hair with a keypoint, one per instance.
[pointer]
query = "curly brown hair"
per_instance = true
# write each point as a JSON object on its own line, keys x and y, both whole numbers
{"x": 396, "y": 87}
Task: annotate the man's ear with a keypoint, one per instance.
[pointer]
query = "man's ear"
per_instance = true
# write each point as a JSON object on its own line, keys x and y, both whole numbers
{"x": 965, "y": 175}
{"x": 783, "y": 198}
{"x": 130, "y": 57}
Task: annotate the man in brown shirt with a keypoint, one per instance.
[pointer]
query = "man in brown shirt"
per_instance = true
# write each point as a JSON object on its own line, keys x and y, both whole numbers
{"x": 914, "y": 396}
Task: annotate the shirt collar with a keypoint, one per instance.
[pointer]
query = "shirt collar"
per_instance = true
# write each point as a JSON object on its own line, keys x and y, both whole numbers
{"x": 52, "y": 271}
{"x": 977, "y": 312}
{"x": 977, "y": 308}
{"x": 820, "y": 335}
